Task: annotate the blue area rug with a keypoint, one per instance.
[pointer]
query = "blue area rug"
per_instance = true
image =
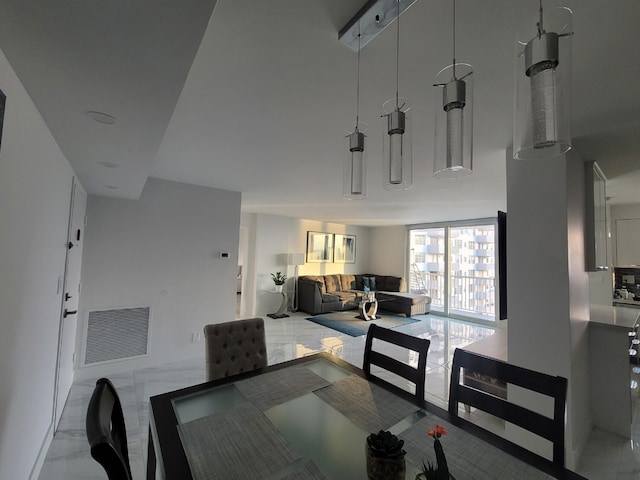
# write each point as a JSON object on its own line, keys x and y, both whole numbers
{"x": 346, "y": 322}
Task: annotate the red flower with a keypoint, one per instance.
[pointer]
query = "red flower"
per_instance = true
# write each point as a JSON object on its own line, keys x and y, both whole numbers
{"x": 437, "y": 432}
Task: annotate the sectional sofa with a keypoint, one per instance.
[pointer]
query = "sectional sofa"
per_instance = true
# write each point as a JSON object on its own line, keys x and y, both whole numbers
{"x": 328, "y": 293}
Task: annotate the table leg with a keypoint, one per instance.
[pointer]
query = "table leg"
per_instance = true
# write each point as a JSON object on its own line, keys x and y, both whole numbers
{"x": 369, "y": 313}
{"x": 151, "y": 458}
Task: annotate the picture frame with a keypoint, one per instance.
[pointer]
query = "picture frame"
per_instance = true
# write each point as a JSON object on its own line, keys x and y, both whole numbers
{"x": 319, "y": 247}
{"x": 344, "y": 248}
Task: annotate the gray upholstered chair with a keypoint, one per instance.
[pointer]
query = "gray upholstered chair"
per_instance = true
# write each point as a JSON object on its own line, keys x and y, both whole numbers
{"x": 234, "y": 347}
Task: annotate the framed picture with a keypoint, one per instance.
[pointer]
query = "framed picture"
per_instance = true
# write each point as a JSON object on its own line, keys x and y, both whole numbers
{"x": 344, "y": 248}
{"x": 319, "y": 247}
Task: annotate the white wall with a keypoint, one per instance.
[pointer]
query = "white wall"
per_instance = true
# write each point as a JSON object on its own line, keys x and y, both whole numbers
{"x": 162, "y": 251}
{"x": 625, "y": 219}
{"x": 548, "y": 293}
{"x": 389, "y": 251}
{"x": 35, "y": 191}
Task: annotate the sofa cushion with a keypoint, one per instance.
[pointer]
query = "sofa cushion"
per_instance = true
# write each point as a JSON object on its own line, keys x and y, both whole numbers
{"x": 330, "y": 298}
{"x": 406, "y": 298}
{"x": 348, "y": 282}
{"x": 392, "y": 284}
{"x": 369, "y": 282}
{"x": 317, "y": 278}
{"x": 332, "y": 282}
{"x": 346, "y": 296}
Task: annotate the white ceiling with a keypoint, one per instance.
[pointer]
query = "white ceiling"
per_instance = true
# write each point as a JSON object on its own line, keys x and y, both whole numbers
{"x": 257, "y": 96}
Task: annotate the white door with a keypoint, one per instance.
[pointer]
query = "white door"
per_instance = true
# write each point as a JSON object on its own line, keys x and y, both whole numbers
{"x": 70, "y": 294}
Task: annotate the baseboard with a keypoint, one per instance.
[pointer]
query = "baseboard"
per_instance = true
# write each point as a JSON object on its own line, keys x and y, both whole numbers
{"x": 42, "y": 453}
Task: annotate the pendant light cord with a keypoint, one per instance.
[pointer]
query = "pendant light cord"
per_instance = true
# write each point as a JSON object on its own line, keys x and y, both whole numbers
{"x": 454, "y": 40}
{"x": 398, "y": 56}
{"x": 358, "y": 83}
{"x": 540, "y": 24}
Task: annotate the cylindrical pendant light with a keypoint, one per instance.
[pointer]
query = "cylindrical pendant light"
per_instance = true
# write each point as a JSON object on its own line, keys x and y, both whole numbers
{"x": 397, "y": 170}
{"x": 453, "y": 146}
{"x": 355, "y": 164}
{"x": 542, "y": 123}
{"x": 354, "y": 178}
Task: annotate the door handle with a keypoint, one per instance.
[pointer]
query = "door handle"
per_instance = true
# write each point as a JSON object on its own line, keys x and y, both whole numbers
{"x": 70, "y": 245}
{"x": 67, "y": 297}
{"x": 68, "y": 312}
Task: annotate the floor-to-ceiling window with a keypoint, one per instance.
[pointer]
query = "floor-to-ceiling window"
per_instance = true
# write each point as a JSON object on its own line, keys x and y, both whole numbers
{"x": 454, "y": 263}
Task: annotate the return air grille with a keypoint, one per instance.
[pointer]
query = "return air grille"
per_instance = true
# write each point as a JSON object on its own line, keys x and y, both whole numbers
{"x": 116, "y": 334}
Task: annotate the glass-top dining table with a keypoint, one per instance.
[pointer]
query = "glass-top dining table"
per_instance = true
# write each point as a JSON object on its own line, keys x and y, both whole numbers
{"x": 308, "y": 419}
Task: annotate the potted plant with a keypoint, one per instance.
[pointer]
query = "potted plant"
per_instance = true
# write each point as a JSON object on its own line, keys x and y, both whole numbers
{"x": 279, "y": 279}
{"x": 439, "y": 471}
{"x": 385, "y": 456}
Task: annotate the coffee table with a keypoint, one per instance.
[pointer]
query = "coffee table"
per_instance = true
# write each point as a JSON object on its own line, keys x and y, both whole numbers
{"x": 368, "y": 306}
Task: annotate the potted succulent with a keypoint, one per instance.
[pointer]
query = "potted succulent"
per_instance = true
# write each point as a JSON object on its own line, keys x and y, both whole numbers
{"x": 385, "y": 456}
{"x": 279, "y": 279}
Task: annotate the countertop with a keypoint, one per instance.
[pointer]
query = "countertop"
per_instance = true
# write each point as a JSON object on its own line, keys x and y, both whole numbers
{"x": 606, "y": 315}
{"x": 631, "y": 302}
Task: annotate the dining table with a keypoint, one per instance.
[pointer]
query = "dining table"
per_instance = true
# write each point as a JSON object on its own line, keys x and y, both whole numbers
{"x": 309, "y": 418}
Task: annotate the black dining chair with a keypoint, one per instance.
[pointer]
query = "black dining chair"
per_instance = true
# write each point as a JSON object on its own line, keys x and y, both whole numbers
{"x": 549, "y": 428}
{"x": 234, "y": 347}
{"x": 416, "y": 375}
{"x": 106, "y": 431}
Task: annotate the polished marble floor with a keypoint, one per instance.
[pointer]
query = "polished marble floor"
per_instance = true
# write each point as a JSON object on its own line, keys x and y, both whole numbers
{"x": 606, "y": 457}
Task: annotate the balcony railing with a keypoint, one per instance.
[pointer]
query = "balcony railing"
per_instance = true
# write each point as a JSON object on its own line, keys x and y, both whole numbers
{"x": 473, "y": 295}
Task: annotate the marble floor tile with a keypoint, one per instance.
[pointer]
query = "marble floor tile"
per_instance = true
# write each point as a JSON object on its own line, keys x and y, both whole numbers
{"x": 68, "y": 457}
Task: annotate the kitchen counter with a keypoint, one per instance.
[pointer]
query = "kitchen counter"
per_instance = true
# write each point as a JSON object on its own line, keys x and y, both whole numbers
{"x": 609, "y": 367}
{"x": 622, "y": 303}
{"x": 614, "y": 316}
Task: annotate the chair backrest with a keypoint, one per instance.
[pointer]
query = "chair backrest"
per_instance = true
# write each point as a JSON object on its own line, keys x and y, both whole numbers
{"x": 555, "y": 387}
{"x": 375, "y": 357}
{"x": 106, "y": 431}
{"x": 235, "y": 347}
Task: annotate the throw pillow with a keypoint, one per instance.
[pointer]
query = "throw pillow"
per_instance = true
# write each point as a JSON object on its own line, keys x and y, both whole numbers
{"x": 369, "y": 282}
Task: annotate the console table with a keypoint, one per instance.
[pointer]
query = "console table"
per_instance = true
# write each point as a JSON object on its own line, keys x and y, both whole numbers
{"x": 282, "y": 311}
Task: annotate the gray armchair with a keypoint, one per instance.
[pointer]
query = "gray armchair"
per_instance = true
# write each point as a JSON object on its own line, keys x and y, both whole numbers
{"x": 234, "y": 347}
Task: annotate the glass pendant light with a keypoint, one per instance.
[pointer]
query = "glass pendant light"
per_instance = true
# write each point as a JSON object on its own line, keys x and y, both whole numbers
{"x": 354, "y": 179}
{"x": 397, "y": 134}
{"x": 542, "y": 126}
{"x": 453, "y": 154}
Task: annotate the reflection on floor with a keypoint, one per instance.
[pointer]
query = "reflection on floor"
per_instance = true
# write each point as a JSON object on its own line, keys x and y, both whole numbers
{"x": 69, "y": 459}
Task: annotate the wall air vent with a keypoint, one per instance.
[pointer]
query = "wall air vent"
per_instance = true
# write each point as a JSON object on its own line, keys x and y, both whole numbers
{"x": 116, "y": 334}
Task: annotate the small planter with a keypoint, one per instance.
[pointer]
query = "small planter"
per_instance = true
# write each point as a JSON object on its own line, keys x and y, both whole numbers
{"x": 385, "y": 468}
{"x": 422, "y": 476}
{"x": 279, "y": 288}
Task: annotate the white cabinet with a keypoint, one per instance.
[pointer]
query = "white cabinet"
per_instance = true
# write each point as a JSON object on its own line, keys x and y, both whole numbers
{"x": 628, "y": 241}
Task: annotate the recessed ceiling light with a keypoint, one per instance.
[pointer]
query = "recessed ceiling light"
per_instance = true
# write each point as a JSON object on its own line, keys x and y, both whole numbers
{"x": 112, "y": 187}
{"x": 109, "y": 164}
{"x": 101, "y": 117}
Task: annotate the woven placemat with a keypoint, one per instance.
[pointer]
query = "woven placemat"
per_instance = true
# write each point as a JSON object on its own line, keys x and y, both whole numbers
{"x": 367, "y": 405}
{"x": 309, "y": 472}
{"x": 274, "y": 388}
{"x": 238, "y": 443}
